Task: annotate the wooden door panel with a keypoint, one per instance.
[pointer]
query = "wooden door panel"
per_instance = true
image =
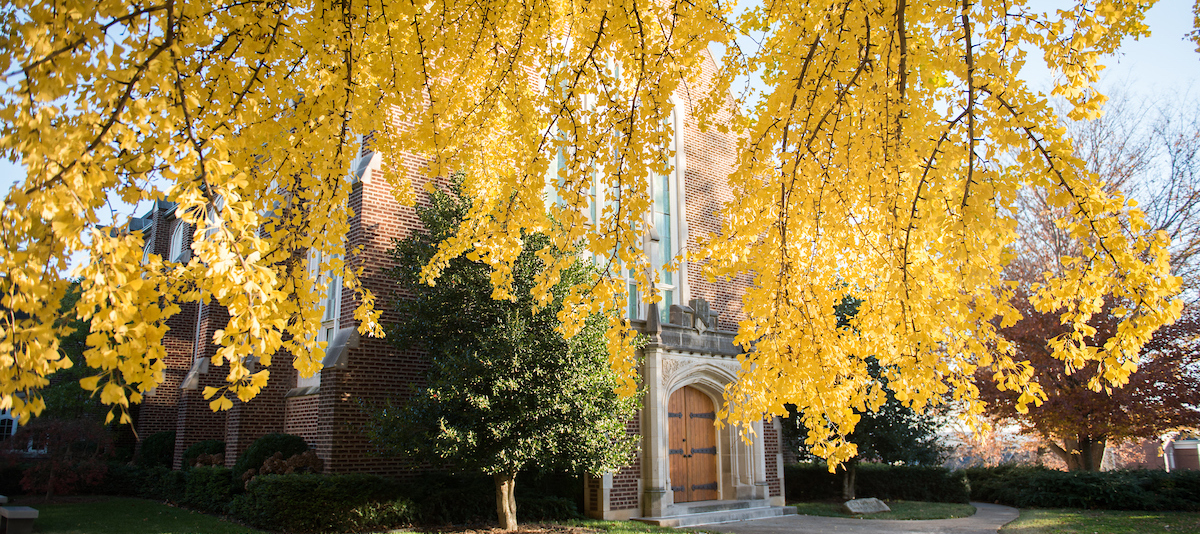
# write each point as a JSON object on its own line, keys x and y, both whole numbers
{"x": 702, "y": 447}
{"x": 676, "y": 436}
{"x": 692, "y": 439}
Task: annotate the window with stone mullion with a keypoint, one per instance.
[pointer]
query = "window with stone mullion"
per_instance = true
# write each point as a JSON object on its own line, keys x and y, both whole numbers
{"x": 330, "y": 284}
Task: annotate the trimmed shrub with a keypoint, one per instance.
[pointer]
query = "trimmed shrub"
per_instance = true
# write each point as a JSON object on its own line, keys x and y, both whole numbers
{"x": 158, "y": 450}
{"x": 73, "y": 455}
{"x": 305, "y": 462}
{"x": 124, "y": 480}
{"x": 546, "y": 509}
{"x": 810, "y": 481}
{"x": 373, "y": 515}
{"x": 1039, "y": 487}
{"x": 813, "y": 482}
{"x": 10, "y": 479}
{"x": 443, "y": 498}
{"x": 208, "y": 446}
{"x": 454, "y": 499}
{"x": 911, "y": 483}
{"x": 163, "y": 484}
{"x": 533, "y": 483}
{"x": 322, "y": 503}
{"x": 264, "y": 448}
{"x": 209, "y": 489}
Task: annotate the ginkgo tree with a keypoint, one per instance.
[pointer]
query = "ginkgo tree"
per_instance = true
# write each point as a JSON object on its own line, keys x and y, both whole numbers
{"x": 883, "y": 159}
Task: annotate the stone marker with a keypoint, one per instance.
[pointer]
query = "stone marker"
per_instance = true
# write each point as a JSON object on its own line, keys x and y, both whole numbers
{"x": 865, "y": 506}
{"x": 17, "y": 519}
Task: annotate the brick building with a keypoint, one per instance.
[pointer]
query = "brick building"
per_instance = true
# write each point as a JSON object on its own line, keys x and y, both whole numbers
{"x": 683, "y": 457}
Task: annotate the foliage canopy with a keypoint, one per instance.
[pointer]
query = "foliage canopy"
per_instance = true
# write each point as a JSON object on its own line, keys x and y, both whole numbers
{"x": 886, "y": 154}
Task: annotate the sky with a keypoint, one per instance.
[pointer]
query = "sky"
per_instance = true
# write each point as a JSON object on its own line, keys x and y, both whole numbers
{"x": 1159, "y": 66}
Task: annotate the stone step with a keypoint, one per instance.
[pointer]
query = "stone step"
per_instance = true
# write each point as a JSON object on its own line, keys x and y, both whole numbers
{"x": 719, "y": 516}
{"x": 700, "y": 507}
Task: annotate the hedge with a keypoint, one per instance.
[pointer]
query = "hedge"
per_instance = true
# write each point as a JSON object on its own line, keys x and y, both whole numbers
{"x": 158, "y": 450}
{"x": 322, "y": 503}
{"x": 813, "y": 482}
{"x": 209, "y": 489}
{"x": 345, "y": 502}
{"x": 1138, "y": 489}
{"x": 208, "y": 446}
{"x": 264, "y": 448}
{"x": 442, "y": 498}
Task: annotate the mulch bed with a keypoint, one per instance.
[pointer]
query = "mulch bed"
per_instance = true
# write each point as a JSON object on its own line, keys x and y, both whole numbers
{"x": 526, "y": 528}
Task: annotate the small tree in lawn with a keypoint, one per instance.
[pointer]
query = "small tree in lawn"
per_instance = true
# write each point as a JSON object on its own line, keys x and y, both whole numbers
{"x": 505, "y": 390}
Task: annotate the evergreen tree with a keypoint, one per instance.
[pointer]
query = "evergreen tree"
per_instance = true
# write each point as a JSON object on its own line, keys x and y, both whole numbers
{"x": 505, "y": 391}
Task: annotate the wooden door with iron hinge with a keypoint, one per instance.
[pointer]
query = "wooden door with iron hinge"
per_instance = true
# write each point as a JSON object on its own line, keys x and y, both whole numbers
{"x": 692, "y": 435}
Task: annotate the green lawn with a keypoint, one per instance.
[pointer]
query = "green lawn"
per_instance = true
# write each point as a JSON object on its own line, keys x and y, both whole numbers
{"x": 1063, "y": 521}
{"x": 900, "y": 510}
{"x": 119, "y": 515}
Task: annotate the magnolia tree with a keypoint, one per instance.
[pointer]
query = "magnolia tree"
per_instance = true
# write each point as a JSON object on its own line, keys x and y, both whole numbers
{"x": 505, "y": 391}
{"x": 885, "y": 154}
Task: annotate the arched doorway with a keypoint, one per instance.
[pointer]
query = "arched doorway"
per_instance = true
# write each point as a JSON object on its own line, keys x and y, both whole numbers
{"x": 693, "y": 445}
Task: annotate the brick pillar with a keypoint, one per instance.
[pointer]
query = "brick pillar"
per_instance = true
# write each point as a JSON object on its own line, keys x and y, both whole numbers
{"x": 159, "y": 408}
{"x": 196, "y": 421}
{"x": 158, "y": 411}
{"x": 264, "y": 414}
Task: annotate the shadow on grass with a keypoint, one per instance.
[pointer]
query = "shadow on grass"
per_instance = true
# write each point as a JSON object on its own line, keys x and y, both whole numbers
{"x": 1067, "y": 521}
{"x": 123, "y": 515}
{"x": 900, "y": 510}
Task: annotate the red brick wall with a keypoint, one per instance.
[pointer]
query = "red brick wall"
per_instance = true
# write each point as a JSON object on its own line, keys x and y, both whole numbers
{"x": 375, "y": 371}
{"x": 196, "y": 421}
{"x": 301, "y": 418}
{"x": 592, "y": 484}
{"x": 709, "y": 159}
{"x": 771, "y": 448}
{"x": 159, "y": 410}
{"x": 624, "y": 494}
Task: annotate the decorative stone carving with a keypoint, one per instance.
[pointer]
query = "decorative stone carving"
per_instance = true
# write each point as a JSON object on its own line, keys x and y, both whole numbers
{"x": 669, "y": 367}
{"x": 733, "y": 367}
{"x": 705, "y": 319}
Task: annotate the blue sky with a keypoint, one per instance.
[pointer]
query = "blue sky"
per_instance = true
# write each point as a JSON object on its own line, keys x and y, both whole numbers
{"x": 1161, "y": 64}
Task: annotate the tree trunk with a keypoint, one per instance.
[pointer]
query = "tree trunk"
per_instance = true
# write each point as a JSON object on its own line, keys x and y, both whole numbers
{"x": 50, "y": 482}
{"x": 506, "y": 501}
{"x": 848, "y": 471}
{"x": 1083, "y": 453}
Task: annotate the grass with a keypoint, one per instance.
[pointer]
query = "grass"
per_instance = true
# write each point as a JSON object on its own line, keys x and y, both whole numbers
{"x": 1065, "y": 521}
{"x": 120, "y": 515}
{"x": 900, "y": 510}
{"x": 618, "y": 527}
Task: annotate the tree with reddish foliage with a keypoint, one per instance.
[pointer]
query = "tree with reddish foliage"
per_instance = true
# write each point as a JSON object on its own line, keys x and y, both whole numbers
{"x": 1074, "y": 421}
{"x": 65, "y": 456}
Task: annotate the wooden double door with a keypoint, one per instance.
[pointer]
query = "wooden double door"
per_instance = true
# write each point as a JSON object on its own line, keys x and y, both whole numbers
{"x": 692, "y": 434}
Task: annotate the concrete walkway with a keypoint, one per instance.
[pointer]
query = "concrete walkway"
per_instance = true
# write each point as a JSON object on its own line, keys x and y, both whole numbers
{"x": 988, "y": 519}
